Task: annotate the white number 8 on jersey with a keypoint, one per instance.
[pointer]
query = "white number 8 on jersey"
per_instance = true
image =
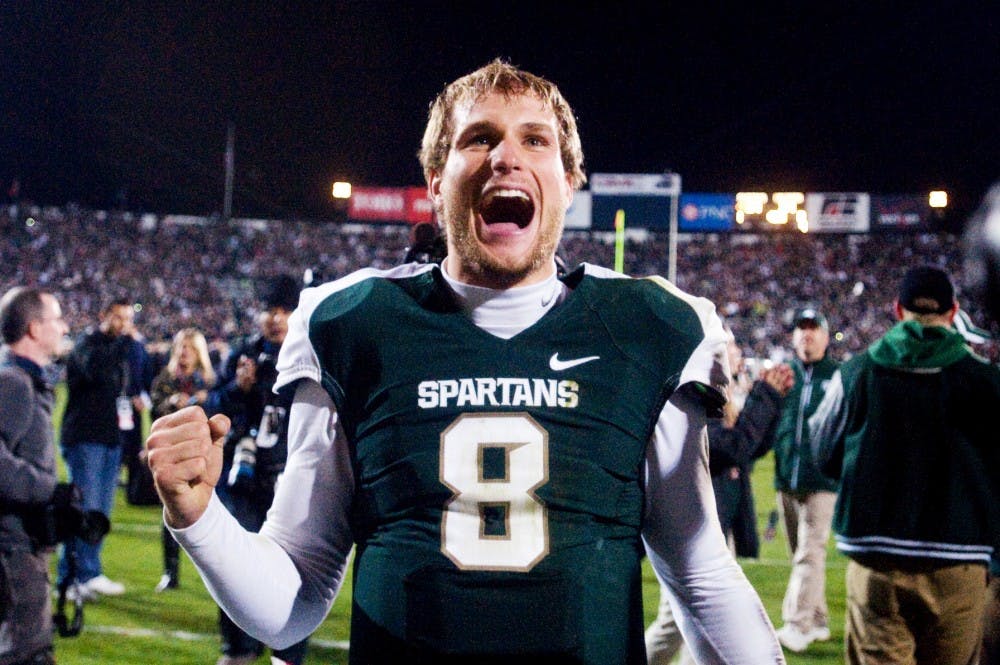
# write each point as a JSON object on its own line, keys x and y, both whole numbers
{"x": 493, "y": 463}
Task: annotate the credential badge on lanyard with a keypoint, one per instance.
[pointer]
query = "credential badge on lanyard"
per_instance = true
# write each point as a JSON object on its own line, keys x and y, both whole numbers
{"x": 126, "y": 420}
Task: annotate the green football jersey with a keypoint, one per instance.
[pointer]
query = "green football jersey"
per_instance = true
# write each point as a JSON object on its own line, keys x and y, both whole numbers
{"x": 499, "y": 482}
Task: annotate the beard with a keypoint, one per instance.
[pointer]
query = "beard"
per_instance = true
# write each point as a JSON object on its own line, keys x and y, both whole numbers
{"x": 500, "y": 271}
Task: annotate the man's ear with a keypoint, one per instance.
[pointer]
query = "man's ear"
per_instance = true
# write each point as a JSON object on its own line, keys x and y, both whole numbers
{"x": 898, "y": 309}
{"x": 434, "y": 187}
{"x": 31, "y": 328}
{"x": 570, "y": 191}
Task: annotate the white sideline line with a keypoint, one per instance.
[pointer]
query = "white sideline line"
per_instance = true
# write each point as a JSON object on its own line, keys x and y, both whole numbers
{"x": 193, "y": 637}
{"x": 135, "y": 527}
{"x": 831, "y": 562}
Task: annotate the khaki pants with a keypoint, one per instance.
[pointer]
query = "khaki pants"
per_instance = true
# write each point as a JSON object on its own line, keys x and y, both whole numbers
{"x": 991, "y": 625}
{"x": 910, "y": 618}
{"x": 807, "y": 519}
{"x": 663, "y": 638}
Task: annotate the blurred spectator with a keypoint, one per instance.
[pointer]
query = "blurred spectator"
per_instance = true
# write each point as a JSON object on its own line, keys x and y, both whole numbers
{"x": 140, "y": 377}
{"x": 752, "y": 277}
{"x": 32, "y": 328}
{"x": 805, "y": 496}
{"x": 907, "y": 428}
{"x": 427, "y": 246}
{"x": 185, "y": 380}
{"x": 98, "y": 409}
{"x": 743, "y": 435}
{"x": 982, "y": 267}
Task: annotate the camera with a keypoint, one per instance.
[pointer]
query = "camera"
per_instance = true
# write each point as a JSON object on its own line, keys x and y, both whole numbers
{"x": 241, "y": 476}
{"x": 60, "y": 521}
{"x": 63, "y": 518}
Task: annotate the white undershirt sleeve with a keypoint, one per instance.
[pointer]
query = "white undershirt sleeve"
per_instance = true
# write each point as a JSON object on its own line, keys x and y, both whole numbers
{"x": 278, "y": 585}
{"x": 718, "y": 611}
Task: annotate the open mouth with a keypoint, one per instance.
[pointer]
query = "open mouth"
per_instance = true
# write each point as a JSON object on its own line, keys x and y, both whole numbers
{"x": 507, "y": 206}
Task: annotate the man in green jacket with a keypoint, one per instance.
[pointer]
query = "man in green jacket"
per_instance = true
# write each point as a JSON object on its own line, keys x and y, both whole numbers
{"x": 908, "y": 427}
{"x": 805, "y": 496}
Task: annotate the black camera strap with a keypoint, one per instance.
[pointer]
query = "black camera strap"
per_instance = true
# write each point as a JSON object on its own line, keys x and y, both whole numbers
{"x": 66, "y": 626}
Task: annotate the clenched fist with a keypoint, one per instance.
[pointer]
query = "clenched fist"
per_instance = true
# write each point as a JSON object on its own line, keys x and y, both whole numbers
{"x": 185, "y": 457}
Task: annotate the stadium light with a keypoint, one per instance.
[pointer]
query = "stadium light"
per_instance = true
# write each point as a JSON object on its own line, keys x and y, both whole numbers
{"x": 938, "y": 199}
{"x": 341, "y": 190}
{"x": 787, "y": 207}
{"x": 749, "y": 203}
{"x": 802, "y": 220}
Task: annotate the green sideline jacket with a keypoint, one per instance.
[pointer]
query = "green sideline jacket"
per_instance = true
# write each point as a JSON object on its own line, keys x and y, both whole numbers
{"x": 909, "y": 428}
{"x": 794, "y": 470}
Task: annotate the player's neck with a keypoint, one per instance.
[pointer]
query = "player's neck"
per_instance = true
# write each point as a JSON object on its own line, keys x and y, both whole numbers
{"x": 506, "y": 312}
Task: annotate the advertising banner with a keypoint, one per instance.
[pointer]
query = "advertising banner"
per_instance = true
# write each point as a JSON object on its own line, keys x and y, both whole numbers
{"x": 706, "y": 212}
{"x": 377, "y": 204}
{"x": 390, "y": 204}
{"x": 650, "y": 212}
{"x": 419, "y": 208}
{"x": 841, "y": 212}
{"x": 645, "y": 198}
{"x": 900, "y": 211}
{"x": 649, "y": 184}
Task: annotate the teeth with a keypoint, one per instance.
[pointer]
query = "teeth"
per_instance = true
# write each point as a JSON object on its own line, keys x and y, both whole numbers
{"x": 505, "y": 193}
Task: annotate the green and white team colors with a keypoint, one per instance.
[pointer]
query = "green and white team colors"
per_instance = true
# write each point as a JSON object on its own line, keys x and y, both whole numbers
{"x": 498, "y": 469}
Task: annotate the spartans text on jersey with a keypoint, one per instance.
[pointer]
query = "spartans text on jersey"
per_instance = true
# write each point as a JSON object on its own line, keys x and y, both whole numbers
{"x": 514, "y": 392}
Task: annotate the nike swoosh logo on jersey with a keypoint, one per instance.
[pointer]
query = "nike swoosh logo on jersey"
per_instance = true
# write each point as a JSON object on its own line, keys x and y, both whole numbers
{"x": 557, "y": 365}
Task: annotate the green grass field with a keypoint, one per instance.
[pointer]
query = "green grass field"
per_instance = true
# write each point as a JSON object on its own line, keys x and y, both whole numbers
{"x": 179, "y": 627}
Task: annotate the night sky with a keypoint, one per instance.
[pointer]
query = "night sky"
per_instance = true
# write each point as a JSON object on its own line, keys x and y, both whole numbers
{"x": 127, "y": 103}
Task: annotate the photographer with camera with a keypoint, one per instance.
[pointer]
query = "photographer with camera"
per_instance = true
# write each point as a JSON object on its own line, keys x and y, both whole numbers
{"x": 256, "y": 448}
{"x": 33, "y": 328}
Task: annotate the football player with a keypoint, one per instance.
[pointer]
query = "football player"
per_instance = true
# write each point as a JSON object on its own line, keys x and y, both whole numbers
{"x": 502, "y": 445}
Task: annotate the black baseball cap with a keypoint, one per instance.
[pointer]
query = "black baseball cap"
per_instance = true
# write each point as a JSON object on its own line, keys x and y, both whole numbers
{"x": 926, "y": 290}
{"x": 803, "y": 314}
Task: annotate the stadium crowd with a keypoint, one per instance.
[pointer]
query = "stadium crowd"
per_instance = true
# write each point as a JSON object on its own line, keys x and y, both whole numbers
{"x": 184, "y": 271}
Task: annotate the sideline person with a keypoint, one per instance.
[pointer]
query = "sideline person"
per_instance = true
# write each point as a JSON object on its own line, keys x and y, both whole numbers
{"x": 805, "y": 496}
{"x": 184, "y": 380}
{"x": 500, "y": 444}
{"x": 32, "y": 328}
{"x": 98, "y": 409}
{"x": 907, "y": 427}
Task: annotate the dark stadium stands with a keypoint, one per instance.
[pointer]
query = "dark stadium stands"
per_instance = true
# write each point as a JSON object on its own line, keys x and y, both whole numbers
{"x": 201, "y": 271}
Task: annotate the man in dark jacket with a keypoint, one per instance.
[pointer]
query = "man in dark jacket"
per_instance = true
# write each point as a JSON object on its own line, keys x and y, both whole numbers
{"x": 805, "y": 496}
{"x": 908, "y": 428}
{"x": 98, "y": 409}
{"x": 32, "y": 326}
